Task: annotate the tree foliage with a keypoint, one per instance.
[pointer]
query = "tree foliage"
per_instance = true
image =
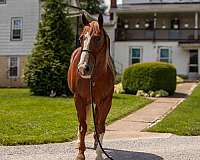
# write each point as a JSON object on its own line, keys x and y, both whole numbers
{"x": 93, "y": 6}
{"x": 48, "y": 64}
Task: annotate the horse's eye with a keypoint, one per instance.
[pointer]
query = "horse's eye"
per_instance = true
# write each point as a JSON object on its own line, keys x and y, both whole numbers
{"x": 98, "y": 39}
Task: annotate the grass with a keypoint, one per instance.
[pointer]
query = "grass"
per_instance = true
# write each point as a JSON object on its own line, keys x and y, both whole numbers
{"x": 185, "y": 119}
{"x": 26, "y": 119}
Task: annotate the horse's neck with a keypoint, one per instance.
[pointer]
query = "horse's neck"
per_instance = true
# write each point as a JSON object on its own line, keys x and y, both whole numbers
{"x": 100, "y": 68}
{"x": 103, "y": 67}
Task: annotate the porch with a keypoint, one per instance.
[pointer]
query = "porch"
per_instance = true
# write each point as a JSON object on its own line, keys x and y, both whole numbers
{"x": 158, "y": 26}
{"x": 122, "y": 34}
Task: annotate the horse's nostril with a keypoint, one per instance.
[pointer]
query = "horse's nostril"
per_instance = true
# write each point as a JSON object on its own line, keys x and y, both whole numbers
{"x": 87, "y": 68}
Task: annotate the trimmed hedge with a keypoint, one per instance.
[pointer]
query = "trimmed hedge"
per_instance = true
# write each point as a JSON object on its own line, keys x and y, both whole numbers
{"x": 150, "y": 76}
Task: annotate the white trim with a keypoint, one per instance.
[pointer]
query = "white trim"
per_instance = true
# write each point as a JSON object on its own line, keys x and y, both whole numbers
{"x": 12, "y": 28}
{"x": 18, "y": 67}
{"x": 130, "y": 53}
{"x": 170, "y": 53}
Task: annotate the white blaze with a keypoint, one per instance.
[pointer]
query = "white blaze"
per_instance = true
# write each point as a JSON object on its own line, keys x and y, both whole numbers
{"x": 85, "y": 55}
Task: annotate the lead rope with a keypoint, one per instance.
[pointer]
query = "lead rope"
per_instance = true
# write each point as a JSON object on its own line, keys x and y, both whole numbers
{"x": 95, "y": 126}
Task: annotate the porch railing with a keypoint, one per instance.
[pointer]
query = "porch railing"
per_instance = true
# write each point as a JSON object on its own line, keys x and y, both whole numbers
{"x": 157, "y": 34}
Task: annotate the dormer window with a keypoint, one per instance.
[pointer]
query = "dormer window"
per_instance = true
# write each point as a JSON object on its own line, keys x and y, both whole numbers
{"x": 2, "y": 1}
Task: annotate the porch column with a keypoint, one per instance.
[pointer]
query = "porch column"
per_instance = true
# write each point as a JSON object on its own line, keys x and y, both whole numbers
{"x": 155, "y": 20}
{"x": 154, "y": 25}
{"x": 196, "y": 25}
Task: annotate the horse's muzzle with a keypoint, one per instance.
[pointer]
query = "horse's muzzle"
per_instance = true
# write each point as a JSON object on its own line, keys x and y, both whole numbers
{"x": 85, "y": 70}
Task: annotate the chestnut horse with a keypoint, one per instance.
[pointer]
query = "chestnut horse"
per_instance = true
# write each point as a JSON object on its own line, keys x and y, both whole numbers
{"x": 92, "y": 62}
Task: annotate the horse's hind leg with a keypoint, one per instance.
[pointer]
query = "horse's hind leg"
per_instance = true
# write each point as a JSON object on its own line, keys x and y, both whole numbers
{"x": 82, "y": 128}
{"x": 102, "y": 111}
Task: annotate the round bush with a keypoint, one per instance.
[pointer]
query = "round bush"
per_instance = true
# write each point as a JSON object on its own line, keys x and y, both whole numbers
{"x": 150, "y": 76}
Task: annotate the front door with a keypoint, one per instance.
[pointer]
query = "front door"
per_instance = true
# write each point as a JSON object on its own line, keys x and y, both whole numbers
{"x": 193, "y": 64}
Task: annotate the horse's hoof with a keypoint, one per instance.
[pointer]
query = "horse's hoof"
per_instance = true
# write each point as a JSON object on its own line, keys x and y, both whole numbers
{"x": 80, "y": 157}
{"x": 99, "y": 157}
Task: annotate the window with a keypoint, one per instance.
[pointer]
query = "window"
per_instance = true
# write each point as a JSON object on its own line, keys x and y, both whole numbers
{"x": 165, "y": 55}
{"x": 16, "y": 29}
{"x": 2, "y": 1}
{"x": 13, "y": 67}
{"x": 135, "y": 55}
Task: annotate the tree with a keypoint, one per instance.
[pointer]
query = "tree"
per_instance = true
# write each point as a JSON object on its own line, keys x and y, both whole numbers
{"x": 48, "y": 64}
{"x": 93, "y": 6}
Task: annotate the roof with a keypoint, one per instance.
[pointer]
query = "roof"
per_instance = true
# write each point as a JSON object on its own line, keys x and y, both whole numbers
{"x": 163, "y": 3}
{"x": 158, "y": 7}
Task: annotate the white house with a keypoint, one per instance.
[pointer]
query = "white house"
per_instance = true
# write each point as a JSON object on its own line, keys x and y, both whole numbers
{"x": 156, "y": 30}
{"x": 18, "y": 26}
{"x": 140, "y": 31}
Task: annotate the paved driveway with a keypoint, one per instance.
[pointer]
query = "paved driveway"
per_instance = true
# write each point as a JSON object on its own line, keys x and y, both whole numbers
{"x": 167, "y": 148}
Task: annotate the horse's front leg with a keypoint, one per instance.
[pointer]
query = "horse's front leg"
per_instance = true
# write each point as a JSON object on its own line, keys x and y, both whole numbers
{"x": 102, "y": 111}
{"x": 82, "y": 128}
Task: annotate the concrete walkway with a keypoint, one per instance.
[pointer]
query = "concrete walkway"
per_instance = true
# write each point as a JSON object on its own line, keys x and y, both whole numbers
{"x": 132, "y": 125}
{"x": 124, "y": 138}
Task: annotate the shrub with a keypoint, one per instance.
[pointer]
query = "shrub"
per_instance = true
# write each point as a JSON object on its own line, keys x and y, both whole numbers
{"x": 150, "y": 76}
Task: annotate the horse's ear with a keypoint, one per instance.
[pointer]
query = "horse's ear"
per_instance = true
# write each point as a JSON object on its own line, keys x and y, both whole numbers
{"x": 84, "y": 20}
{"x": 100, "y": 20}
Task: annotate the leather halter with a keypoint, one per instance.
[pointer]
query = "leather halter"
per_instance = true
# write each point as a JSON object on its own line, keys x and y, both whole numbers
{"x": 86, "y": 50}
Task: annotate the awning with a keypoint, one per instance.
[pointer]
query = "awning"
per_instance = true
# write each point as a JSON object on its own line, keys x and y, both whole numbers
{"x": 190, "y": 44}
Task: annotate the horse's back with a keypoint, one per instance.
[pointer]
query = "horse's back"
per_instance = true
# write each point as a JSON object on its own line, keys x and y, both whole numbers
{"x": 71, "y": 78}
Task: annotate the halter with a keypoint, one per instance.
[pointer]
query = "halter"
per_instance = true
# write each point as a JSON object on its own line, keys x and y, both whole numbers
{"x": 92, "y": 65}
{"x": 86, "y": 50}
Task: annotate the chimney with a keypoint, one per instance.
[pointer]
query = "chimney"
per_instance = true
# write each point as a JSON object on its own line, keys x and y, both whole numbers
{"x": 113, "y": 4}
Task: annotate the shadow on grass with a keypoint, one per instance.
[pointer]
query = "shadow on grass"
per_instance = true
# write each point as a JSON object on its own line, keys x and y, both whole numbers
{"x": 128, "y": 155}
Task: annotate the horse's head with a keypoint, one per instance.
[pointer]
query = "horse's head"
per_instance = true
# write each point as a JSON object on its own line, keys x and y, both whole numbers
{"x": 93, "y": 43}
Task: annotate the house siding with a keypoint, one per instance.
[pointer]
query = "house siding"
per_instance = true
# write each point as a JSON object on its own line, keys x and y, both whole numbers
{"x": 28, "y": 10}
{"x": 150, "y": 53}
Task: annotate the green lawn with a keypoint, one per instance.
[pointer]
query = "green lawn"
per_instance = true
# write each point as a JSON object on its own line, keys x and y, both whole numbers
{"x": 26, "y": 119}
{"x": 185, "y": 119}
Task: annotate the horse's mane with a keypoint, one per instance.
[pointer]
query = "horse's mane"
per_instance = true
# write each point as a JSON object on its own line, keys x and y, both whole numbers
{"x": 109, "y": 60}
